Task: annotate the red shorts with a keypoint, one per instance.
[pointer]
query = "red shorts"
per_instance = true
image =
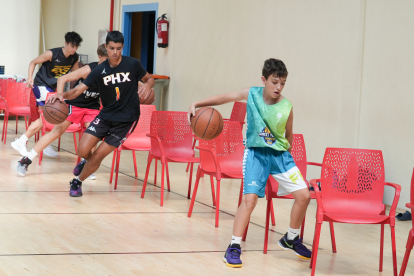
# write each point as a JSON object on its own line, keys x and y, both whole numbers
{"x": 79, "y": 115}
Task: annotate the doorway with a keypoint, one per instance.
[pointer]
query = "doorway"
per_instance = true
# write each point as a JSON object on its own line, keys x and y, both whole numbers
{"x": 138, "y": 27}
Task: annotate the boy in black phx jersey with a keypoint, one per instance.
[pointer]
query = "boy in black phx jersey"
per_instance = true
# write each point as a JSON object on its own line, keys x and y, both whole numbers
{"x": 55, "y": 63}
{"x": 117, "y": 81}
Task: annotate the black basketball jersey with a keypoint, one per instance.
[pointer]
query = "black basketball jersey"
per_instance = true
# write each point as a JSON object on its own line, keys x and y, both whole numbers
{"x": 118, "y": 88}
{"x": 89, "y": 98}
{"x": 50, "y": 71}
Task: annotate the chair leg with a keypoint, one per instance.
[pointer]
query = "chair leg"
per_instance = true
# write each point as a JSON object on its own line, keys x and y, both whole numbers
{"x": 266, "y": 239}
{"x": 17, "y": 120}
{"x": 112, "y": 166}
{"x": 213, "y": 193}
{"x": 394, "y": 251}
{"x": 135, "y": 164}
{"x": 331, "y": 226}
{"x": 25, "y": 122}
{"x": 190, "y": 210}
{"x": 7, "y": 125}
{"x": 381, "y": 248}
{"x": 302, "y": 230}
{"x": 162, "y": 185}
{"x": 188, "y": 166}
{"x": 146, "y": 175}
{"x": 189, "y": 182}
{"x": 217, "y": 201}
{"x": 118, "y": 160}
{"x": 155, "y": 172}
{"x": 315, "y": 247}
{"x": 409, "y": 247}
{"x": 168, "y": 176}
{"x": 273, "y": 214}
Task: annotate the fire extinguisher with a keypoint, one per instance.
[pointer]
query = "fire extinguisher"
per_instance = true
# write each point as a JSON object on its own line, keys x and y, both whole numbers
{"x": 162, "y": 31}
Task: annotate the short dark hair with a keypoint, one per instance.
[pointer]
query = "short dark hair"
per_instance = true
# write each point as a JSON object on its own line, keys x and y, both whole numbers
{"x": 73, "y": 38}
{"x": 115, "y": 36}
{"x": 102, "y": 51}
{"x": 274, "y": 67}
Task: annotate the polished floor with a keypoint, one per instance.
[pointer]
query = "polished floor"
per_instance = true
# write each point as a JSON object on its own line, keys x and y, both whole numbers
{"x": 43, "y": 231}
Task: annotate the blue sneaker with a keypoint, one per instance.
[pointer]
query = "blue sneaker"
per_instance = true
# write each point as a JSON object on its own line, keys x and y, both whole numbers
{"x": 79, "y": 167}
{"x": 232, "y": 256}
{"x": 75, "y": 188}
{"x": 295, "y": 245}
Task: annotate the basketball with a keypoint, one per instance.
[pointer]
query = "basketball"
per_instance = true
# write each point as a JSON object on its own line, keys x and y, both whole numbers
{"x": 149, "y": 99}
{"x": 55, "y": 113}
{"x": 207, "y": 123}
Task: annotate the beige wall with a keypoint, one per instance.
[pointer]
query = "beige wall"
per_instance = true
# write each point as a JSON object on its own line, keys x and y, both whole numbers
{"x": 349, "y": 65}
{"x": 20, "y": 34}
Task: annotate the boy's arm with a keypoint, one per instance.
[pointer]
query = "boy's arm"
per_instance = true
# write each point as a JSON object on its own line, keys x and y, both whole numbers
{"x": 40, "y": 59}
{"x": 145, "y": 89}
{"x": 218, "y": 100}
{"x": 289, "y": 130}
{"x": 69, "y": 95}
{"x": 73, "y": 76}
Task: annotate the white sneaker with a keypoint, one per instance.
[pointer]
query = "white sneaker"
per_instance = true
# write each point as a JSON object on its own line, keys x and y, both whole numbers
{"x": 91, "y": 177}
{"x": 20, "y": 147}
{"x": 49, "y": 151}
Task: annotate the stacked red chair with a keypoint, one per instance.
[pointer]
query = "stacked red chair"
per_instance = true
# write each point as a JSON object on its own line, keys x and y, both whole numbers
{"x": 5, "y": 108}
{"x": 171, "y": 141}
{"x": 410, "y": 240}
{"x": 73, "y": 128}
{"x": 238, "y": 114}
{"x": 137, "y": 141}
{"x": 353, "y": 184}
{"x": 18, "y": 100}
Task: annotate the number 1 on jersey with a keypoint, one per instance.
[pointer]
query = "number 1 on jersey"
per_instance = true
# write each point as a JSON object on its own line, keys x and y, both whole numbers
{"x": 117, "y": 93}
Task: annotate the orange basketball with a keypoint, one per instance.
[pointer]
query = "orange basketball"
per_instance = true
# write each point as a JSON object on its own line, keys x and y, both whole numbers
{"x": 149, "y": 99}
{"x": 55, "y": 113}
{"x": 207, "y": 123}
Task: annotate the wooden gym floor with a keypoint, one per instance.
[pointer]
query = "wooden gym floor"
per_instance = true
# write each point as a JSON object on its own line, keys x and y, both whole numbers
{"x": 43, "y": 231}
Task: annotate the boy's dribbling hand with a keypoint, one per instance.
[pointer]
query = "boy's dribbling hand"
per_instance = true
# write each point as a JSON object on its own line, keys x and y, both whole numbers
{"x": 55, "y": 97}
{"x": 191, "y": 112}
{"x": 144, "y": 91}
{"x": 29, "y": 83}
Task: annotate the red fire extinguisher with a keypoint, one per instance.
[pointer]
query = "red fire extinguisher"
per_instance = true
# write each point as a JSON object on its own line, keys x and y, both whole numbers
{"x": 162, "y": 31}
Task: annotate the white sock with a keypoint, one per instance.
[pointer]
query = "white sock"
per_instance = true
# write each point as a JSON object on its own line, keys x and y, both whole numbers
{"x": 32, "y": 154}
{"x": 235, "y": 240}
{"x": 292, "y": 233}
{"x": 23, "y": 139}
{"x": 77, "y": 178}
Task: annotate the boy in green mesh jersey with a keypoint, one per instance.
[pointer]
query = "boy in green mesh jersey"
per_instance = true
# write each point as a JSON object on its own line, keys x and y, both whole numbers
{"x": 268, "y": 143}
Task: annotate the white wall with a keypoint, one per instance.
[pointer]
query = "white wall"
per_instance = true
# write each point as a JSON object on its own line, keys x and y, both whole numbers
{"x": 20, "y": 34}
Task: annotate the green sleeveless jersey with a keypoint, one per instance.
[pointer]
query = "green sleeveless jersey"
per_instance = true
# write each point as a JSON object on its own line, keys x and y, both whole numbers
{"x": 266, "y": 124}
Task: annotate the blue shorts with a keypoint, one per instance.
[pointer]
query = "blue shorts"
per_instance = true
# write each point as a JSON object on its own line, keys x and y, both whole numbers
{"x": 260, "y": 163}
{"x": 40, "y": 93}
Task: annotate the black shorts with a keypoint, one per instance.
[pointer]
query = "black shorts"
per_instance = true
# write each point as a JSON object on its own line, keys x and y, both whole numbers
{"x": 115, "y": 133}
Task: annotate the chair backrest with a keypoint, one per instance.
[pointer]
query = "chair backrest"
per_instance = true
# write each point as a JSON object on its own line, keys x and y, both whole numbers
{"x": 3, "y": 86}
{"x": 352, "y": 181}
{"x": 228, "y": 147}
{"x": 144, "y": 122}
{"x": 238, "y": 113}
{"x": 34, "y": 111}
{"x": 173, "y": 130}
{"x": 4, "y": 106}
{"x": 412, "y": 191}
{"x": 17, "y": 94}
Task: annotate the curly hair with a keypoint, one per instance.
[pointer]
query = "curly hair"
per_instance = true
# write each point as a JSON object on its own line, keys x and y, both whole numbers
{"x": 73, "y": 38}
{"x": 274, "y": 67}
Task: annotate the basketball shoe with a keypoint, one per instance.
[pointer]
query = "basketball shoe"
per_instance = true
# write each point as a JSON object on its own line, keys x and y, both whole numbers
{"x": 19, "y": 146}
{"x": 23, "y": 165}
{"x": 49, "y": 151}
{"x": 232, "y": 256}
{"x": 75, "y": 188}
{"x": 295, "y": 245}
{"x": 79, "y": 167}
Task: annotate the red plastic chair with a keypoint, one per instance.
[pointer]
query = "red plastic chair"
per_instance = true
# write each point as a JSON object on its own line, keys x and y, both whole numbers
{"x": 353, "y": 188}
{"x": 18, "y": 100}
{"x": 138, "y": 140}
{"x": 238, "y": 114}
{"x": 171, "y": 140}
{"x": 410, "y": 240}
{"x": 73, "y": 128}
{"x": 221, "y": 157}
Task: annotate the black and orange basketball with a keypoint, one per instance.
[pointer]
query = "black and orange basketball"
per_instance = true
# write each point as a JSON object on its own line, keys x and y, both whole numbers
{"x": 207, "y": 123}
{"x": 149, "y": 99}
{"x": 55, "y": 113}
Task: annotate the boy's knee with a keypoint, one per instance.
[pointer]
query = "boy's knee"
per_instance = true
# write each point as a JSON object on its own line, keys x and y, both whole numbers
{"x": 304, "y": 198}
{"x": 82, "y": 153}
{"x": 250, "y": 201}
